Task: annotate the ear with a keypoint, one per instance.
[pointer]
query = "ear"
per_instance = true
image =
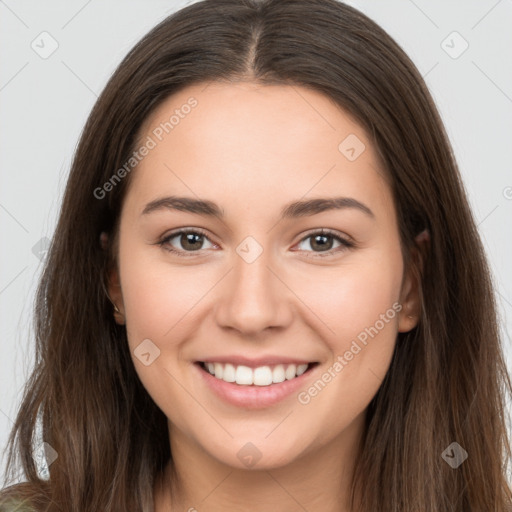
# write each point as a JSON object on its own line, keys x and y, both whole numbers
{"x": 410, "y": 296}
{"x": 114, "y": 285}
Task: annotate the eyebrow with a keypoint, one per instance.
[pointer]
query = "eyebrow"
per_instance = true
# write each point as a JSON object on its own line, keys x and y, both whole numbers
{"x": 295, "y": 209}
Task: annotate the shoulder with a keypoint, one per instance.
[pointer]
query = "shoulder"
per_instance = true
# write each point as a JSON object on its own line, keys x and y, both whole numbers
{"x": 15, "y": 505}
{"x": 14, "y": 499}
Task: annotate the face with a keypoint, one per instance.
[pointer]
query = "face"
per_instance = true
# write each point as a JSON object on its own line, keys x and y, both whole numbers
{"x": 255, "y": 282}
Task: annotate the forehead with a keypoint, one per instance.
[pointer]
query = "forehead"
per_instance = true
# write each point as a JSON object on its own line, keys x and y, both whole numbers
{"x": 247, "y": 141}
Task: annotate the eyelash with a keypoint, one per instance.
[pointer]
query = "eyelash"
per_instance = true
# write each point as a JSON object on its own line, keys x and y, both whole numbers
{"x": 345, "y": 244}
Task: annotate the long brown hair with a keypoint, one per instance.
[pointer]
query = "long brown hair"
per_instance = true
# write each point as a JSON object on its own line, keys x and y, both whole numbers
{"x": 447, "y": 381}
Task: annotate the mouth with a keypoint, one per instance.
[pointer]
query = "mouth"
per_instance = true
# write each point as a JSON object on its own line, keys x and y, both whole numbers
{"x": 267, "y": 375}
{"x": 255, "y": 387}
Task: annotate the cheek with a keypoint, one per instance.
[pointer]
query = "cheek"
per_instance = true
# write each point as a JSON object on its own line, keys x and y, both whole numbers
{"x": 360, "y": 361}
{"x": 160, "y": 302}
{"x": 159, "y": 297}
{"x": 353, "y": 296}
{"x": 359, "y": 302}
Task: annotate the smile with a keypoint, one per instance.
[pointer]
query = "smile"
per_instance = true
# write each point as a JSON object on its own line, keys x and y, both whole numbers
{"x": 255, "y": 385}
{"x": 259, "y": 376}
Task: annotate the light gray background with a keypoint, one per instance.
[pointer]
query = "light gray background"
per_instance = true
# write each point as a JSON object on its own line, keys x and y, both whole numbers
{"x": 44, "y": 104}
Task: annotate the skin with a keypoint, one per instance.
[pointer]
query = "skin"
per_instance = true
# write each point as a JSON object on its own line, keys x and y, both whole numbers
{"x": 252, "y": 149}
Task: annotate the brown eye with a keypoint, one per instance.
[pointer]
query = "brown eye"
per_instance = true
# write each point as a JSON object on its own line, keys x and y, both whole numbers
{"x": 190, "y": 241}
{"x": 323, "y": 241}
{"x": 185, "y": 241}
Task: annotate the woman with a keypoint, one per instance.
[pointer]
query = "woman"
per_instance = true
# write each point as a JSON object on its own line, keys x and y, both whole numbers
{"x": 266, "y": 290}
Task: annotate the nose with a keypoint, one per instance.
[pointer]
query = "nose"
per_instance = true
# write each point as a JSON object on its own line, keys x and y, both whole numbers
{"x": 254, "y": 297}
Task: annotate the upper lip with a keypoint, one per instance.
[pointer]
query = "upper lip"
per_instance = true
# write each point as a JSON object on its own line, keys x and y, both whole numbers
{"x": 256, "y": 362}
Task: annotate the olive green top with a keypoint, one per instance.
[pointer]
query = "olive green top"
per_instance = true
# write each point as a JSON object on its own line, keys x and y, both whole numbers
{"x": 15, "y": 505}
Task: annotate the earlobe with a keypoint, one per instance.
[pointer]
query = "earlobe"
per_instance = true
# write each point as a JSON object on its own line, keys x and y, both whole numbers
{"x": 113, "y": 286}
{"x": 104, "y": 240}
{"x": 116, "y": 297}
{"x": 410, "y": 296}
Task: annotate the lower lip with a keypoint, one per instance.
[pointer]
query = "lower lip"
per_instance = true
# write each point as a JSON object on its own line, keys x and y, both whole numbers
{"x": 254, "y": 397}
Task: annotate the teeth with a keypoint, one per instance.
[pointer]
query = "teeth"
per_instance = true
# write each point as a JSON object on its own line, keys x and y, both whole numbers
{"x": 229, "y": 374}
{"x": 278, "y": 374}
{"x": 244, "y": 375}
{"x": 301, "y": 369}
{"x": 261, "y": 376}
